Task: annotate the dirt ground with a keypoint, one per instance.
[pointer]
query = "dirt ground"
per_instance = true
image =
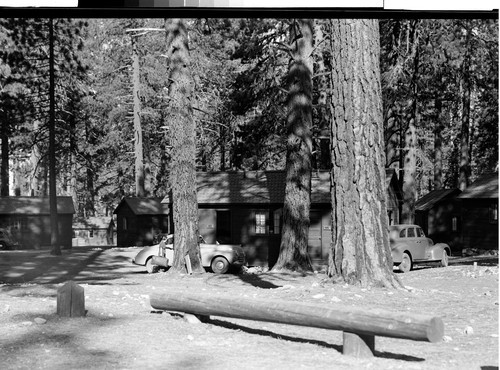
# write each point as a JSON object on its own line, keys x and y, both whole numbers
{"x": 122, "y": 331}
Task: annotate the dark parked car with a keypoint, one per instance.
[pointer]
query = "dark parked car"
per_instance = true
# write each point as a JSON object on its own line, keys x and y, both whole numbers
{"x": 409, "y": 245}
{"x": 7, "y": 241}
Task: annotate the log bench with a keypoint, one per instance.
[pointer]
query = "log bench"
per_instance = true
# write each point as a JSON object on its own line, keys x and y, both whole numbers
{"x": 359, "y": 325}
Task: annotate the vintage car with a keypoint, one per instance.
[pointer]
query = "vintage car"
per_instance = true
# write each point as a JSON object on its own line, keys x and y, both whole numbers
{"x": 409, "y": 246}
{"x": 216, "y": 257}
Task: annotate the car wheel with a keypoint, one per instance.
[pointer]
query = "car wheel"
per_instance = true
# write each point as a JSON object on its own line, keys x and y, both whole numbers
{"x": 150, "y": 268}
{"x": 219, "y": 265}
{"x": 406, "y": 263}
{"x": 444, "y": 259}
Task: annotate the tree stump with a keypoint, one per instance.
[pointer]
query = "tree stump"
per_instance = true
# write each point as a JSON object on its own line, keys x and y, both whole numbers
{"x": 70, "y": 300}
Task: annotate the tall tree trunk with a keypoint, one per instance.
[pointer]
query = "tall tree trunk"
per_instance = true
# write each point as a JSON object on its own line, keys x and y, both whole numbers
{"x": 360, "y": 251}
{"x": 4, "y": 186}
{"x": 183, "y": 170}
{"x": 410, "y": 160}
{"x": 295, "y": 233}
{"x": 138, "y": 148}
{"x": 438, "y": 146}
{"x": 464, "y": 170}
{"x": 54, "y": 225}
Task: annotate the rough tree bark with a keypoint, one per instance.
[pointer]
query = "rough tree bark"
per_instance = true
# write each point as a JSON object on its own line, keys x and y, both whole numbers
{"x": 360, "y": 252}
{"x": 138, "y": 149}
{"x": 54, "y": 223}
{"x": 438, "y": 146}
{"x": 183, "y": 171}
{"x": 295, "y": 233}
{"x": 410, "y": 148}
{"x": 464, "y": 170}
{"x": 4, "y": 186}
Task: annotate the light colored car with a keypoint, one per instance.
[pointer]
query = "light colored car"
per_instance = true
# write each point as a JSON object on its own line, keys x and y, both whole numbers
{"x": 409, "y": 246}
{"x": 216, "y": 257}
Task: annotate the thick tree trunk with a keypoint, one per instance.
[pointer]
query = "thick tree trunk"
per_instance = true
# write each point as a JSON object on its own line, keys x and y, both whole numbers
{"x": 138, "y": 148}
{"x": 410, "y": 159}
{"x": 183, "y": 171}
{"x": 360, "y": 251}
{"x": 295, "y": 233}
{"x": 4, "y": 186}
{"x": 54, "y": 224}
{"x": 464, "y": 170}
{"x": 438, "y": 146}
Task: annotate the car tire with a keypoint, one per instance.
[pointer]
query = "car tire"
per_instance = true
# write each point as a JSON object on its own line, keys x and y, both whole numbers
{"x": 444, "y": 260}
{"x": 219, "y": 265}
{"x": 406, "y": 264}
{"x": 150, "y": 268}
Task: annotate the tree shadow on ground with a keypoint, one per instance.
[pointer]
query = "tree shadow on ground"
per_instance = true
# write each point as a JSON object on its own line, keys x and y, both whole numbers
{"x": 262, "y": 280}
{"x": 338, "y": 348}
{"x": 57, "y": 335}
{"x": 78, "y": 264}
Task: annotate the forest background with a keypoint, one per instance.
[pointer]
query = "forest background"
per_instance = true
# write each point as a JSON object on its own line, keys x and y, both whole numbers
{"x": 439, "y": 85}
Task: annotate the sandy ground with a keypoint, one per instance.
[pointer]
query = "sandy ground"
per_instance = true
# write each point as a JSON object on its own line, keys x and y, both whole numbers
{"x": 122, "y": 331}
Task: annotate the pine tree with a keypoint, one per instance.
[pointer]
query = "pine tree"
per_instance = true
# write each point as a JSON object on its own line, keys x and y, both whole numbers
{"x": 183, "y": 171}
{"x": 295, "y": 233}
{"x": 360, "y": 252}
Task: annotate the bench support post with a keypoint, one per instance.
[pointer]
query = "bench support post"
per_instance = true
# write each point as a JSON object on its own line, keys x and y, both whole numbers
{"x": 358, "y": 345}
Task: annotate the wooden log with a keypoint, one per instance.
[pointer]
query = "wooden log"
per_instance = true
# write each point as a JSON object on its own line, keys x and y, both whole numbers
{"x": 71, "y": 300}
{"x": 363, "y": 322}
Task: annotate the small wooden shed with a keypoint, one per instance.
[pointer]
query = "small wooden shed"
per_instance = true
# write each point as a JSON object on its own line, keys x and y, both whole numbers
{"x": 438, "y": 213}
{"x": 94, "y": 231}
{"x": 480, "y": 213}
{"x": 28, "y": 220}
{"x": 138, "y": 220}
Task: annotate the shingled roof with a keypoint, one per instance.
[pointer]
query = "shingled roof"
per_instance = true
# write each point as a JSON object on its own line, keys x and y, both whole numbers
{"x": 144, "y": 206}
{"x": 486, "y": 187}
{"x": 432, "y": 198}
{"x": 34, "y": 205}
{"x": 254, "y": 187}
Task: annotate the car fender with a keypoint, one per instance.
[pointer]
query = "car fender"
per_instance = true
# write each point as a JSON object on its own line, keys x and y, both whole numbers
{"x": 436, "y": 251}
{"x": 145, "y": 253}
{"x": 397, "y": 252}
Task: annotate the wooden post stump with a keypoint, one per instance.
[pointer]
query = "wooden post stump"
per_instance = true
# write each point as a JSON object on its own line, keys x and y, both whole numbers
{"x": 70, "y": 300}
{"x": 358, "y": 345}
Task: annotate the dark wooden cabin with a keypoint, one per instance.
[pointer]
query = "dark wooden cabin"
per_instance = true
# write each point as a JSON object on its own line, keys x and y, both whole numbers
{"x": 28, "y": 220}
{"x": 438, "y": 213}
{"x": 480, "y": 213}
{"x": 138, "y": 220}
{"x": 246, "y": 208}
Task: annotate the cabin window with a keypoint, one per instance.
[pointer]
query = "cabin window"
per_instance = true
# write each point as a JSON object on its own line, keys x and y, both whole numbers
{"x": 125, "y": 223}
{"x": 420, "y": 233}
{"x": 402, "y": 233}
{"x": 260, "y": 223}
{"x": 411, "y": 232}
{"x": 494, "y": 213}
{"x": 454, "y": 224}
